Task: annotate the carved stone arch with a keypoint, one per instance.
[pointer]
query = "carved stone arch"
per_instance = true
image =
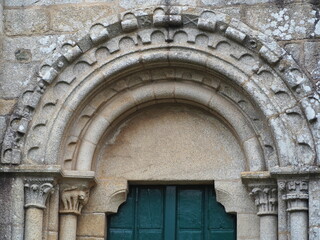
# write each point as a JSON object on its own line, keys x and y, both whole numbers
{"x": 215, "y": 43}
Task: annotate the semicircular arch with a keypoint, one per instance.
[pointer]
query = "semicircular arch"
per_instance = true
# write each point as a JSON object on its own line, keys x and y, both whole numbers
{"x": 217, "y": 44}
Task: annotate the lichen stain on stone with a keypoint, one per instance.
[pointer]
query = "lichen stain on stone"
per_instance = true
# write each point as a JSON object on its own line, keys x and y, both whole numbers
{"x": 48, "y": 43}
{"x": 284, "y": 25}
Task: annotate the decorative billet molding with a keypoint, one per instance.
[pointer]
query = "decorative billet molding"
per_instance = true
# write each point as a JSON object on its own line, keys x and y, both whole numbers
{"x": 37, "y": 191}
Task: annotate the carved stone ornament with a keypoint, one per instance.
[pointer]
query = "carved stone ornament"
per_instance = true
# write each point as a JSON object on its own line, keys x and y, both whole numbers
{"x": 266, "y": 199}
{"x": 73, "y": 199}
{"x": 295, "y": 192}
{"x": 37, "y": 192}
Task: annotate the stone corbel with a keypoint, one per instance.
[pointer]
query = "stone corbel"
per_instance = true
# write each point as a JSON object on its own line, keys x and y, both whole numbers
{"x": 37, "y": 191}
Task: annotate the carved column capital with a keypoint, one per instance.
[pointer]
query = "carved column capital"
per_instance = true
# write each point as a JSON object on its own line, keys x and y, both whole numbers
{"x": 266, "y": 199}
{"x": 37, "y": 191}
{"x": 73, "y": 199}
{"x": 295, "y": 193}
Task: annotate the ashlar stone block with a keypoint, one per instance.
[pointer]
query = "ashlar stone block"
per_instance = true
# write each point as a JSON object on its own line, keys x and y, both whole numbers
{"x": 18, "y": 21}
{"x": 296, "y": 21}
{"x": 312, "y": 59}
{"x": 91, "y": 225}
{"x": 74, "y": 18}
{"x": 16, "y": 77}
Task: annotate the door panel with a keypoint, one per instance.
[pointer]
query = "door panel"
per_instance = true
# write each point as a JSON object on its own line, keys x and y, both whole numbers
{"x": 171, "y": 212}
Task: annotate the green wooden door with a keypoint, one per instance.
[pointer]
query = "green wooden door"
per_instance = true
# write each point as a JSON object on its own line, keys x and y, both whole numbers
{"x": 171, "y": 213}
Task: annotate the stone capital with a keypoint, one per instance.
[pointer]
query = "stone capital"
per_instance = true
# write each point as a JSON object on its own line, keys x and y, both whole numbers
{"x": 295, "y": 193}
{"x": 37, "y": 191}
{"x": 266, "y": 199}
{"x": 73, "y": 199}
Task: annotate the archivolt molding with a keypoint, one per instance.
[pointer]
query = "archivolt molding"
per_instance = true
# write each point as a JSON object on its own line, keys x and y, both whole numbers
{"x": 206, "y": 41}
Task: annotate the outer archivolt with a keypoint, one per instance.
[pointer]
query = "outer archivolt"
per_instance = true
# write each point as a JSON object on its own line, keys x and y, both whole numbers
{"x": 216, "y": 43}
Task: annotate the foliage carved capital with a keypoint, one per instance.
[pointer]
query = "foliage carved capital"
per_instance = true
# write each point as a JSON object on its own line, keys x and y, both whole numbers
{"x": 266, "y": 199}
{"x": 37, "y": 192}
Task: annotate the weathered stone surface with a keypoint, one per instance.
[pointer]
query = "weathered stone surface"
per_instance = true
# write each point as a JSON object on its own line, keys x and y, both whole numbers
{"x": 127, "y": 4}
{"x": 295, "y": 50}
{"x": 25, "y": 3}
{"x": 314, "y": 206}
{"x": 92, "y": 225}
{"x": 17, "y": 21}
{"x": 23, "y": 55}
{"x": 283, "y": 23}
{"x": 3, "y": 126}
{"x": 5, "y": 208}
{"x": 16, "y": 77}
{"x": 142, "y": 144}
{"x": 312, "y": 59}
{"x": 40, "y": 46}
{"x": 6, "y": 106}
{"x": 75, "y": 18}
{"x": 171, "y": 140}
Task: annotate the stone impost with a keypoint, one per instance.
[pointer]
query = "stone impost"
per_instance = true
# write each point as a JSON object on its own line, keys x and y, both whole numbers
{"x": 266, "y": 200}
{"x": 295, "y": 193}
{"x": 37, "y": 192}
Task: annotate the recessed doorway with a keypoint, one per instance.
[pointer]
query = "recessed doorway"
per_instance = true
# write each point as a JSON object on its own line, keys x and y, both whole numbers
{"x": 171, "y": 212}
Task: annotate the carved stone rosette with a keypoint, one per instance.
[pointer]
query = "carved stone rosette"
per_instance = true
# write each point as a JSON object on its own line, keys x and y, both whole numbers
{"x": 37, "y": 192}
{"x": 295, "y": 193}
{"x": 266, "y": 199}
{"x": 73, "y": 199}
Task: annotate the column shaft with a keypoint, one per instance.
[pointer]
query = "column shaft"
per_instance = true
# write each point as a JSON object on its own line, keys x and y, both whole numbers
{"x": 68, "y": 227}
{"x": 299, "y": 225}
{"x": 268, "y": 227}
{"x": 34, "y": 223}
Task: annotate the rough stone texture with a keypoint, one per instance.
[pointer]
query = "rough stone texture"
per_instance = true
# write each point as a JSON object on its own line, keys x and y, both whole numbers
{"x": 5, "y": 208}
{"x": 35, "y": 29}
{"x": 168, "y": 137}
{"x": 296, "y": 51}
{"x": 16, "y": 78}
{"x": 17, "y": 21}
{"x": 6, "y": 106}
{"x": 312, "y": 59}
{"x": 284, "y": 23}
{"x": 92, "y": 225}
{"x": 3, "y": 126}
{"x": 25, "y": 3}
{"x": 314, "y": 205}
{"x": 39, "y": 46}
{"x": 68, "y": 19}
